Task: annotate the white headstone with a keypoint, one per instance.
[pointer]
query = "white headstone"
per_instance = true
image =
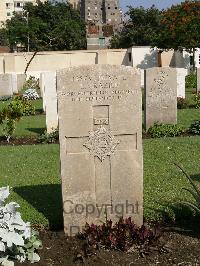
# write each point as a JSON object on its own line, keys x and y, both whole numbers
{"x": 6, "y": 88}
{"x": 50, "y": 100}
{"x": 198, "y": 79}
{"x": 18, "y": 81}
{"x": 160, "y": 97}
{"x": 181, "y": 74}
{"x": 100, "y": 131}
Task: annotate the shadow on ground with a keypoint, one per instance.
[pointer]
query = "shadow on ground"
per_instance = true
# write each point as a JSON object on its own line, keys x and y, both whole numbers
{"x": 46, "y": 199}
{"x": 185, "y": 221}
{"x": 38, "y": 131}
{"x": 196, "y": 177}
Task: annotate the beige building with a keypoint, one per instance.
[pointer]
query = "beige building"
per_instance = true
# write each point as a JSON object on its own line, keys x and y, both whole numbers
{"x": 75, "y": 3}
{"x": 7, "y": 7}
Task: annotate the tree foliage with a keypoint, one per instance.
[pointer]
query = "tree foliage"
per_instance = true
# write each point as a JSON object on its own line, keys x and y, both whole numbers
{"x": 49, "y": 25}
{"x": 141, "y": 28}
{"x": 180, "y": 27}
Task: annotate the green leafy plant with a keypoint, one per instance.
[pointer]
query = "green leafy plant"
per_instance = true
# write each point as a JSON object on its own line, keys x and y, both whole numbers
{"x": 197, "y": 99}
{"x": 9, "y": 115}
{"x": 165, "y": 130}
{"x": 195, "y": 127}
{"x": 191, "y": 81}
{"x": 18, "y": 242}
{"x": 194, "y": 191}
{"x": 26, "y": 106}
{"x": 9, "y": 127}
{"x": 182, "y": 103}
{"x": 31, "y": 84}
{"x": 49, "y": 137}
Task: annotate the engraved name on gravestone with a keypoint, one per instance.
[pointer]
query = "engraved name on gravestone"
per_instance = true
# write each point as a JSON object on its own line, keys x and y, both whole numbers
{"x": 100, "y": 129}
{"x": 160, "y": 96}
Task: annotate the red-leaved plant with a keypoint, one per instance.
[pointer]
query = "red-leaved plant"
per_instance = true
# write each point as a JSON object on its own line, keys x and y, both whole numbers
{"x": 123, "y": 235}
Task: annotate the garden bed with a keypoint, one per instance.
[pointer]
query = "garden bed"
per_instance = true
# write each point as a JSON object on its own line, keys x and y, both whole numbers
{"x": 182, "y": 249}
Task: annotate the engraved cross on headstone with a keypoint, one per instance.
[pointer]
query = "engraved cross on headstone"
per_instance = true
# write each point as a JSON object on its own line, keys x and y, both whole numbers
{"x": 102, "y": 144}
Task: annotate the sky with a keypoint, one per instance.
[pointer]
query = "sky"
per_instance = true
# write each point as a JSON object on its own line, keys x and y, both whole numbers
{"x": 148, "y": 3}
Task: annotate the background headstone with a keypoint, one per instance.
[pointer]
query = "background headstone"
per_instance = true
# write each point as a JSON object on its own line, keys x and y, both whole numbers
{"x": 42, "y": 84}
{"x": 181, "y": 74}
{"x": 100, "y": 130}
{"x": 18, "y": 81}
{"x": 160, "y": 96}
{"x": 198, "y": 79}
{"x": 6, "y": 85}
{"x": 50, "y": 100}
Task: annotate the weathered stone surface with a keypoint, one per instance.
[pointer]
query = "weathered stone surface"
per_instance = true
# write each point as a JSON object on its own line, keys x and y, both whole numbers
{"x": 18, "y": 81}
{"x": 49, "y": 94}
{"x": 198, "y": 79}
{"x": 160, "y": 99}
{"x": 6, "y": 85}
{"x": 100, "y": 129}
{"x": 181, "y": 74}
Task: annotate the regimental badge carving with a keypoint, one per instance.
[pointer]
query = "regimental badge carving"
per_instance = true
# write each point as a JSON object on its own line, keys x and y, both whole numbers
{"x": 101, "y": 143}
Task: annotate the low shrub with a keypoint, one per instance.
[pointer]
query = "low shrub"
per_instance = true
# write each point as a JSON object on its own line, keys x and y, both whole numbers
{"x": 124, "y": 235}
{"x": 18, "y": 242}
{"x": 31, "y": 83}
{"x": 182, "y": 103}
{"x": 26, "y": 106}
{"x": 49, "y": 137}
{"x": 5, "y": 98}
{"x": 9, "y": 115}
{"x": 165, "y": 130}
{"x": 191, "y": 81}
{"x": 197, "y": 100}
{"x": 195, "y": 128}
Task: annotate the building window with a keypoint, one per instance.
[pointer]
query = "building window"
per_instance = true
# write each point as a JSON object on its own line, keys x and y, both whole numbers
{"x": 101, "y": 42}
{"x": 8, "y": 14}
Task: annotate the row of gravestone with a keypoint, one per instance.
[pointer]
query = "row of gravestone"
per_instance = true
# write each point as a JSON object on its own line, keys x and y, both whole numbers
{"x": 100, "y": 132}
{"x": 11, "y": 84}
{"x": 162, "y": 87}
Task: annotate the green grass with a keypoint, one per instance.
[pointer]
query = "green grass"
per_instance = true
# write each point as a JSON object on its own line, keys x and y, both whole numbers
{"x": 31, "y": 126}
{"x": 163, "y": 181}
{"x": 186, "y": 116}
{"x": 28, "y": 125}
{"x": 36, "y": 103}
{"x": 33, "y": 174}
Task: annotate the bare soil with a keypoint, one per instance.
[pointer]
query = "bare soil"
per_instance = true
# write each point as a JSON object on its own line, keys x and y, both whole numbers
{"x": 182, "y": 249}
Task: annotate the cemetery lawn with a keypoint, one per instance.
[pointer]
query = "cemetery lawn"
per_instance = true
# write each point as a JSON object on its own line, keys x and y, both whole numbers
{"x": 33, "y": 174}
